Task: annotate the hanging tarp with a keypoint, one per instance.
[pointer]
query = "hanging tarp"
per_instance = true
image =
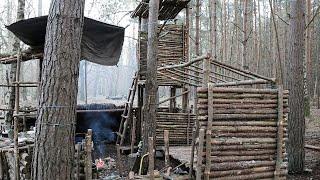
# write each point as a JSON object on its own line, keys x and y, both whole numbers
{"x": 101, "y": 43}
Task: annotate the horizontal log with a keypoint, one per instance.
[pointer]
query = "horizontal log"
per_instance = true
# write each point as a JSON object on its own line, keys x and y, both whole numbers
{"x": 244, "y": 147}
{"x": 235, "y": 141}
{"x": 262, "y": 175}
{"x": 240, "y": 165}
{"x": 238, "y": 172}
{"x": 237, "y": 90}
{"x": 246, "y": 129}
{"x": 235, "y": 159}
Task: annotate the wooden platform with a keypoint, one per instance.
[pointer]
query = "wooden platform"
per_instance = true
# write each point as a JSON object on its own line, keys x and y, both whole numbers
{"x": 168, "y": 9}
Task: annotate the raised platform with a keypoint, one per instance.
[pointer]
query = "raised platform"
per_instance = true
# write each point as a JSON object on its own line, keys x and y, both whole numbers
{"x": 168, "y": 9}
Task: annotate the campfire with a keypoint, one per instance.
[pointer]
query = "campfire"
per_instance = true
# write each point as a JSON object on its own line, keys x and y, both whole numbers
{"x": 106, "y": 163}
{"x": 100, "y": 164}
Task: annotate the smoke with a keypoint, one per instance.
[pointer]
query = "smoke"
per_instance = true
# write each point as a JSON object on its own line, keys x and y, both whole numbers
{"x": 103, "y": 125}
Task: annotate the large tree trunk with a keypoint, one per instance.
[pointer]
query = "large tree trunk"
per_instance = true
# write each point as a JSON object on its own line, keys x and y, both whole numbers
{"x": 296, "y": 125}
{"x": 150, "y": 105}
{"x": 54, "y": 146}
{"x": 13, "y": 72}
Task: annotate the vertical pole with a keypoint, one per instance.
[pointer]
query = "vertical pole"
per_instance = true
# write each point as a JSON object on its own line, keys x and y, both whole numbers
{"x": 133, "y": 134}
{"x": 16, "y": 119}
{"x": 86, "y": 82}
{"x": 209, "y": 131}
{"x": 150, "y": 104}
{"x": 119, "y": 160}
{"x": 89, "y": 155}
{"x": 173, "y": 100}
{"x": 78, "y": 146}
{"x": 279, "y": 133}
{"x": 185, "y": 97}
{"x": 166, "y": 148}
{"x": 151, "y": 158}
{"x": 200, "y": 155}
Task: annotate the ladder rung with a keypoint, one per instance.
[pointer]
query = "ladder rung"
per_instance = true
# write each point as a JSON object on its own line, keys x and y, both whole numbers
{"x": 131, "y": 89}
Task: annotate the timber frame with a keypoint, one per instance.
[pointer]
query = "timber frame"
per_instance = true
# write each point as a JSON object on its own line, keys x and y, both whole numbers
{"x": 237, "y": 113}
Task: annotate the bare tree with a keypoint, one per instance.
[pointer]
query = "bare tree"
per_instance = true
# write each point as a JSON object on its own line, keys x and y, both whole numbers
{"x": 54, "y": 145}
{"x": 296, "y": 123}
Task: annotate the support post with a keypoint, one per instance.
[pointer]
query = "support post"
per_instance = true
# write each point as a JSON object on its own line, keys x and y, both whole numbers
{"x": 279, "y": 133}
{"x": 78, "y": 147}
{"x": 151, "y": 85}
{"x": 133, "y": 134}
{"x": 173, "y": 100}
{"x": 119, "y": 159}
{"x": 200, "y": 155}
{"x": 89, "y": 155}
{"x": 16, "y": 119}
{"x": 151, "y": 158}
{"x": 166, "y": 148}
{"x": 209, "y": 132}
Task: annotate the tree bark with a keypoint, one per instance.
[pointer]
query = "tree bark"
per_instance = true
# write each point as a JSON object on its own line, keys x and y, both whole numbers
{"x": 55, "y": 125}
{"x": 296, "y": 124}
{"x": 245, "y": 64}
{"x": 150, "y": 106}
{"x": 13, "y": 72}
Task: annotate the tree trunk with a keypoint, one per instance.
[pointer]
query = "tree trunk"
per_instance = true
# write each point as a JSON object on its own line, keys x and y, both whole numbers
{"x": 54, "y": 144}
{"x": 308, "y": 53}
{"x": 39, "y": 7}
{"x": 13, "y": 71}
{"x": 245, "y": 64}
{"x": 296, "y": 123}
{"x": 150, "y": 105}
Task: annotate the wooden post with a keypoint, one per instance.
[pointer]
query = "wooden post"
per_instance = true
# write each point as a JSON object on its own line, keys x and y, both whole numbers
{"x": 78, "y": 146}
{"x": 200, "y": 154}
{"x": 89, "y": 155}
{"x": 151, "y": 85}
{"x": 119, "y": 160}
{"x": 151, "y": 158}
{"x": 24, "y": 124}
{"x": 192, "y": 152}
{"x": 16, "y": 120}
{"x": 279, "y": 133}
{"x": 133, "y": 133}
{"x": 173, "y": 100}
{"x": 166, "y": 148}
{"x": 209, "y": 131}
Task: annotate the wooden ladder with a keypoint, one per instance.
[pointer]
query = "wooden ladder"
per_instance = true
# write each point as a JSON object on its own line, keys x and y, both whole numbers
{"x": 127, "y": 113}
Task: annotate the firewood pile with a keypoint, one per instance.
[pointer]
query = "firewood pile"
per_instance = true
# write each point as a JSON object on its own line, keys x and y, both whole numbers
{"x": 243, "y": 133}
{"x": 171, "y": 50}
{"x": 7, "y": 156}
{"x": 180, "y": 126}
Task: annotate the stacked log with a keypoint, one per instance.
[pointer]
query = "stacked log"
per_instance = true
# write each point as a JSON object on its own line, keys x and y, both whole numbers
{"x": 171, "y": 50}
{"x": 243, "y": 132}
{"x": 7, "y": 162}
{"x": 179, "y": 126}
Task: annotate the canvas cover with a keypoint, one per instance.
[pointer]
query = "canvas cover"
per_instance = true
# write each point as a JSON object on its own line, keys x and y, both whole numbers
{"x": 101, "y": 43}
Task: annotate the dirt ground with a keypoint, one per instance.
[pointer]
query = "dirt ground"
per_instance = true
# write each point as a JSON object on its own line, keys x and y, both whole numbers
{"x": 312, "y": 161}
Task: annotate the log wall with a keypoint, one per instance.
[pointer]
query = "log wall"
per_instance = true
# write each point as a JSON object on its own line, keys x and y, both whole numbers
{"x": 245, "y": 133}
{"x": 171, "y": 50}
{"x": 179, "y": 125}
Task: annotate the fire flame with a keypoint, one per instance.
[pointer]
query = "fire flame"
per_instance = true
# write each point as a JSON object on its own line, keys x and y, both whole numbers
{"x": 100, "y": 164}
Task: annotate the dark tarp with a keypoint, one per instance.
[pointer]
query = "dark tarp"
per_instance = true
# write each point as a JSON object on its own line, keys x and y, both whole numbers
{"x": 101, "y": 43}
